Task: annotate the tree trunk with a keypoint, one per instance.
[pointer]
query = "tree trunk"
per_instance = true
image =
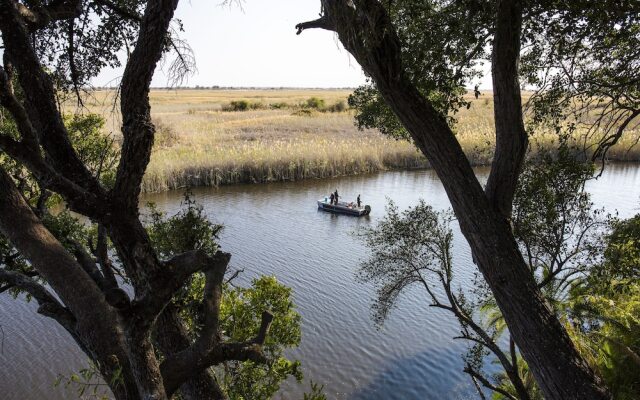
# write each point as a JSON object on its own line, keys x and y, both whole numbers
{"x": 366, "y": 31}
{"x": 559, "y": 370}
{"x": 91, "y": 321}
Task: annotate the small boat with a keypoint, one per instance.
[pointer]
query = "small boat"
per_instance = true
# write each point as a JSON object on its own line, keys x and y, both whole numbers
{"x": 343, "y": 208}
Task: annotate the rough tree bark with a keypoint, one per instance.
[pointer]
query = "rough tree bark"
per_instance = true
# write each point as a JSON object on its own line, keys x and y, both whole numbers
{"x": 365, "y": 30}
{"x": 84, "y": 311}
{"x": 114, "y": 331}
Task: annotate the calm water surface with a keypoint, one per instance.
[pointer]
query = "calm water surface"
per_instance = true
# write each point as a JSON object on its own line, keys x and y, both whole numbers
{"x": 276, "y": 229}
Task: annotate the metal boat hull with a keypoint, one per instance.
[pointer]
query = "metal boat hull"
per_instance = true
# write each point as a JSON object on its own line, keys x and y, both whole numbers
{"x": 344, "y": 208}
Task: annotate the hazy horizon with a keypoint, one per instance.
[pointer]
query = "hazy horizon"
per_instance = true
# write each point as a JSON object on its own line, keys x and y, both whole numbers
{"x": 256, "y": 46}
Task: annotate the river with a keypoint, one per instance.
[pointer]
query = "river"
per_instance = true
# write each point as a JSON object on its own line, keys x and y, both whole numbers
{"x": 276, "y": 229}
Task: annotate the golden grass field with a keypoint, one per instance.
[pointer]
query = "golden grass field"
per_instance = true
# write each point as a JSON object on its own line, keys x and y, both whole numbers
{"x": 197, "y": 143}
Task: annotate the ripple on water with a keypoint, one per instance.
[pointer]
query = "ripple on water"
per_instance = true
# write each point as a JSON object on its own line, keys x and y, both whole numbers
{"x": 276, "y": 229}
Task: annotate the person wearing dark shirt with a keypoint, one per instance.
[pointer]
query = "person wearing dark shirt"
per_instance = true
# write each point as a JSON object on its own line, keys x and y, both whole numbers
{"x": 335, "y": 196}
{"x": 358, "y": 201}
{"x": 331, "y": 198}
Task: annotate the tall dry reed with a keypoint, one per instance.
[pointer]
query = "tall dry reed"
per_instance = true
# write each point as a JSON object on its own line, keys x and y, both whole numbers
{"x": 198, "y": 143}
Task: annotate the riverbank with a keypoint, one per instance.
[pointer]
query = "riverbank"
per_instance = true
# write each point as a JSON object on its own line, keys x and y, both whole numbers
{"x": 219, "y": 137}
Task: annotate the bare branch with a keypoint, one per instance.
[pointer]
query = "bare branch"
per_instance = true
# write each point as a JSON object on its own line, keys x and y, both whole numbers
{"x": 607, "y": 143}
{"x": 19, "y": 114}
{"x": 234, "y": 276}
{"x": 321, "y": 23}
{"x": 485, "y": 382}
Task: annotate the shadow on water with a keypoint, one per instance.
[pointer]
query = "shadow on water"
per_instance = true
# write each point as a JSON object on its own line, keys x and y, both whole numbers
{"x": 434, "y": 374}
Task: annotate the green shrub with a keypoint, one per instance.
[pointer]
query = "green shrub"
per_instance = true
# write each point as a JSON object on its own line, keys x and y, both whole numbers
{"x": 243, "y": 105}
{"x": 236, "y": 105}
{"x": 315, "y": 103}
{"x": 340, "y": 106}
{"x": 256, "y": 106}
{"x": 279, "y": 106}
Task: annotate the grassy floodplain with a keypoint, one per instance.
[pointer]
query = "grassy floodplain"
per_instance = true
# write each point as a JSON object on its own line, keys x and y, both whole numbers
{"x": 201, "y": 143}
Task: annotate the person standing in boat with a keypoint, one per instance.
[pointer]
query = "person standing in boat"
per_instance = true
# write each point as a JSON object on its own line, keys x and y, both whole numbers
{"x": 358, "y": 201}
{"x": 335, "y": 196}
{"x": 331, "y": 198}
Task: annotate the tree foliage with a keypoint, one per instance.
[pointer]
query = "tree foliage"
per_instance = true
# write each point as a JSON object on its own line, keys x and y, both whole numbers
{"x": 240, "y": 320}
{"x": 407, "y": 247}
{"x": 414, "y": 248}
{"x": 589, "y": 277}
{"x": 606, "y": 309}
{"x": 581, "y": 57}
{"x": 368, "y": 30}
{"x": 440, "y": 60}
{"x": 554, "y": 219}
{"x": 241, "y": 308}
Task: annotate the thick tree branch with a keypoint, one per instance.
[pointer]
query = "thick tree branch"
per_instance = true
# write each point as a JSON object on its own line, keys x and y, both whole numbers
{"x": 88, "y": 264}
{"x": 172, "y": 336}
{"x": 137, "y": 129}
{"x": 265, "y": 324}
{"x": 61, "y": 271}
{"x": 38, "y": 17}
{"x": 208, "y": 349}
{"x": 178, "y": 368}
{"x": 96, "y": 327}
{"x": 168, "y": 280}
{"x": 27, "y": 150}
{"x": 40, "y": 101}
{"x": 321, "y": 23}
{"x": 19, "y": 114}
{"x": 160, "y": 284}
{"x": 49, "y": 306}
{"x": 77, "y": 198}
{"x": 511, "y": 137}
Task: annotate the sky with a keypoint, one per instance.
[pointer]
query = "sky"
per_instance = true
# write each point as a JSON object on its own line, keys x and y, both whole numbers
{"x": 258, "y": 46}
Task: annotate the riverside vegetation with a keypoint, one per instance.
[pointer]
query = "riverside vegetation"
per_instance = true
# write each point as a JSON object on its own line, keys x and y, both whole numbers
{"x": 216, "y": 137}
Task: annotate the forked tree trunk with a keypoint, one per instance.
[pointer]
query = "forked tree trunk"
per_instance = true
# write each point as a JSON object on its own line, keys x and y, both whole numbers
{"x": 172, "y": 337}
{"x": 559, "y": 370}
{"x": 366, "y": 31}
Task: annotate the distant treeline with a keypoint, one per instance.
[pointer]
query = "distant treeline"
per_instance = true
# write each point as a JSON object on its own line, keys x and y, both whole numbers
{"x": 216, "y": 87}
